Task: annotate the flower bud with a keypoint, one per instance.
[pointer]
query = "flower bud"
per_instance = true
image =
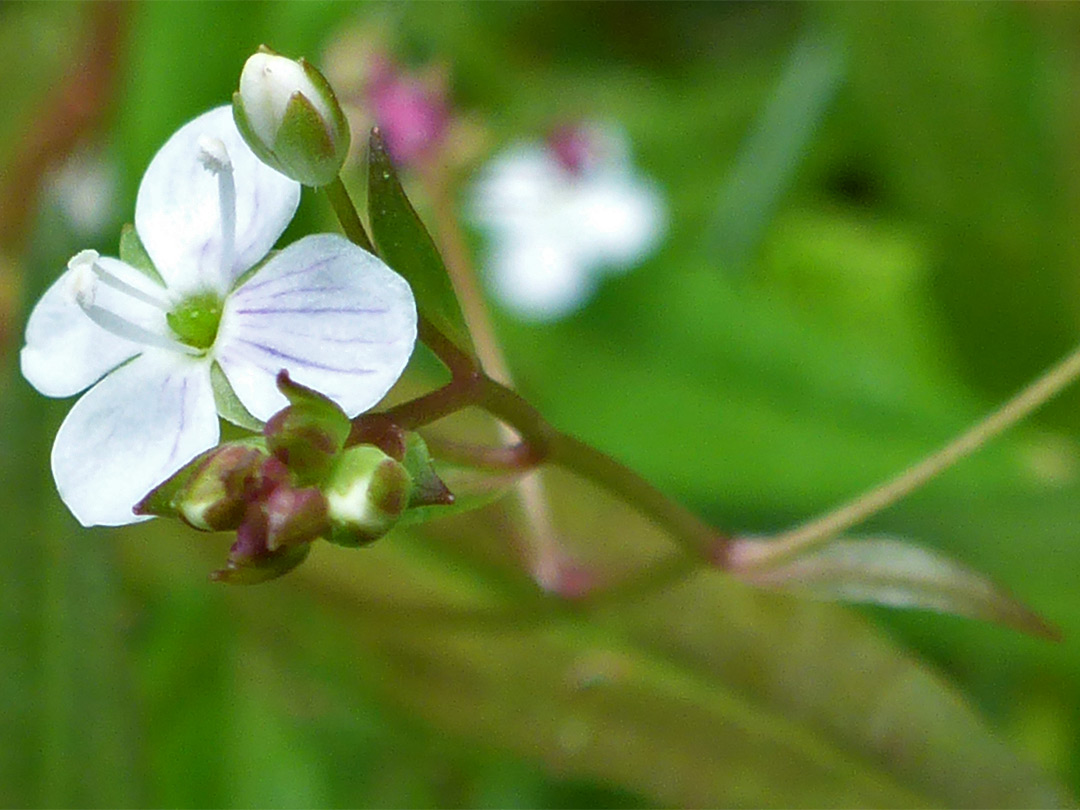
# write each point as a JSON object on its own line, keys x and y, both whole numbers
{"x": 289, "y": 116}
{"x": 294, "y": 516}
{"x": 366, "y": 493}
{"x": 210, "y": 493}
{"x": 307, "y": 435}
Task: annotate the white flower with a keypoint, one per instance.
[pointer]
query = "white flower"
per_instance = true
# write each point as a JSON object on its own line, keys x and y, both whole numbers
{"x": 561, "y": 215}
{"x": 207, "y": 212}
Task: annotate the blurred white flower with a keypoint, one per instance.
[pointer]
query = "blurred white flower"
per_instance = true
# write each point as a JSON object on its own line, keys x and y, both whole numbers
{"x": 561, "y": 215}
{"x": 145, "y": 342}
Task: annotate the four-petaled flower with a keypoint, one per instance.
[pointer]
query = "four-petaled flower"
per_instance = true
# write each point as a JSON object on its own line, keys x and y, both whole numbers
{"x": 152, "y": 342}
{"x": 561, "y": 215}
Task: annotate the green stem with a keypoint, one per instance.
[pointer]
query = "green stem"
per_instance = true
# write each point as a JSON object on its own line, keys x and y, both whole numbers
{"x": 346, "y": 214}
{"x": 814, "y": 532}
{"x": 697, "y": 537}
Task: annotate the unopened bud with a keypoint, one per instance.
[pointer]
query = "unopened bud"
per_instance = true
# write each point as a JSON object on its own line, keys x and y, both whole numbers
{"x": 289, "y": 116}
{"x": 294, "y": 516}
{"x": 366, "y": 494}
{"x": 308, "y": 434}
{"x": 210, "y": 492}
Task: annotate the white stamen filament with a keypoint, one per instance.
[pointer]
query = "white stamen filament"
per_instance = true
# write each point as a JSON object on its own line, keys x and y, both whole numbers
{"x": 88, "y": 275}
{"x": 215, "y": 159}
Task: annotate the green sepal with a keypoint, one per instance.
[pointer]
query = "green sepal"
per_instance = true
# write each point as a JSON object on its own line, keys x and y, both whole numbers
{"x": 253, "y": 570}
{"x": 341, "y": 122}
{"x": 134, "y": 254}
{"x": 261, "y": 150}
{"x": 427, "y": 488}
{"x": 162, "y": 500}
{"x": 228, "y": 404}
{"x": 463, "y": 502}
{"x": 304, "y": 146}
{"x": 405, "y": 244}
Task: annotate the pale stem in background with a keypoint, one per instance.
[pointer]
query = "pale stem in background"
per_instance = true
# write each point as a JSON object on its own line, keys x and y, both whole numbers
{"x": 545, "y": 557}
{"x": 802, "y": 538}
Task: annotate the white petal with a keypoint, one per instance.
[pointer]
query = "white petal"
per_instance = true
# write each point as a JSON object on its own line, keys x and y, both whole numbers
{"x": 516, "y": 189}
{"x": 177, "y": 211}
{"x": 537, "y": 278}
{"x": 65, "y": 351}
{"x": 130, "y": 432}
{"x": 335, "y": 316}
{"x": 616, "y": 218}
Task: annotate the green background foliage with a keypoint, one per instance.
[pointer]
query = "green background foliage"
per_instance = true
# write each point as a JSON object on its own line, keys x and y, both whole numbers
{"x": 872, "y": 227}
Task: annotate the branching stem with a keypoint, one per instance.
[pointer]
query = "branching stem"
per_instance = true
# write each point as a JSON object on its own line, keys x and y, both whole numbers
{"x": 540, "y": 442}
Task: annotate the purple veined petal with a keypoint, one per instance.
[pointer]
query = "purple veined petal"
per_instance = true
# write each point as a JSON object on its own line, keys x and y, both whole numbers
{"x": 335, "y": 316}
{"x": 65, "y": 351}
{"x": 537, "y": 278}
{"x": 130, "y": 432}
{"x": 178, "y": 215}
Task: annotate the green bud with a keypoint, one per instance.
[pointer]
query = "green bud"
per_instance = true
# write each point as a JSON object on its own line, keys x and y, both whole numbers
{"x": 366, "y": 493}
{"x": 307, "y": 435}
{"x": 289, "y": 116}
{"x": 209, "y": 492}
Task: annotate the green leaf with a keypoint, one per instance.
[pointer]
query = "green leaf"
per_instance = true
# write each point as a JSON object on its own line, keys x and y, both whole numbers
{"x": 772, "y": 153}
{"x": 132, "y": 252}
{"x": 890, "y": 572}
{"x": 228, "y": 404}
{"x": 404, "y": 243}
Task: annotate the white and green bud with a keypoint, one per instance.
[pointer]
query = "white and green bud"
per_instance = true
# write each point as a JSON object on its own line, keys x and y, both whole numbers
{"x": 289, "y": 116}
{"x": 365, "y": 495}
{"x": 211, "y": 492}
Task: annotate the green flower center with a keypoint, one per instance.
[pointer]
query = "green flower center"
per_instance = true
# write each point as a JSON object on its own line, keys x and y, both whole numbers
{"x": 195, "y": 320}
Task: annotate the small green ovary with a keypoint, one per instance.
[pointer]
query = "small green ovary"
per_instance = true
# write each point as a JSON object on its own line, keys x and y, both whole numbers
{"x": 195, "y": 320}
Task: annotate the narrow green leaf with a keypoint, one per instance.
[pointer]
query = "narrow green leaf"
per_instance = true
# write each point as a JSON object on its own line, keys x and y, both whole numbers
{"x": 891, "y": 572}
{"x": 404, "y": 243}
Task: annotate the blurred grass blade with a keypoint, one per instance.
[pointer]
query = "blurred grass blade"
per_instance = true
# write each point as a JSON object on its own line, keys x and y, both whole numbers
{"x": 884, "y": 571}
{"x": 769, "y": 157}
{"x": 404, "y": 244}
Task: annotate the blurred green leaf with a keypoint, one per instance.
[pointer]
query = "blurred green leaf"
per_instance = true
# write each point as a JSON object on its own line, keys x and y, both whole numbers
{"x": 707, "y": 693}
{"x": 405, "y": 245}
{"x": 891, "y": 572}
{"x": 770, "y": 155}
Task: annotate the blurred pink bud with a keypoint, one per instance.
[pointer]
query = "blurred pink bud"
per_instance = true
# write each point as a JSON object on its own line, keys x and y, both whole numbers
{"x": 412, "y": 113}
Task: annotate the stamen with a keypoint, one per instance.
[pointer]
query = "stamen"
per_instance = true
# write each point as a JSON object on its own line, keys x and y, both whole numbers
{"x": 215, "y": 159}
{"x": 88, "y": 276}
{"x": 121, "y": 327}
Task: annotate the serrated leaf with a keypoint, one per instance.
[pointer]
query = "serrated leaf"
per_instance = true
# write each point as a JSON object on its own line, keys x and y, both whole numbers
{"x": 133, "y": 253}
{"x": 405, "y": 244}
{"x": 228, "y": 404}
{"x": 891, "y": 572}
